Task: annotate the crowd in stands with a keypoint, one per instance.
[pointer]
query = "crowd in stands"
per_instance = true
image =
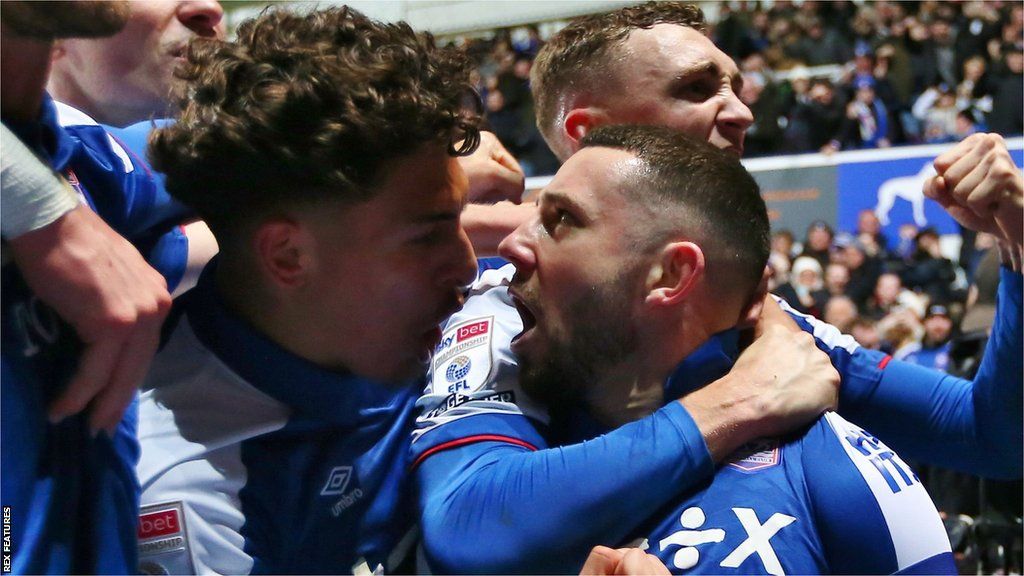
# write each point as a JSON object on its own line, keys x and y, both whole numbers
{"x": 821, "y": 76}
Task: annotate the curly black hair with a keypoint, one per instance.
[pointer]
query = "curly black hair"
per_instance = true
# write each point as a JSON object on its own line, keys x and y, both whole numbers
{"x": 307, "y": 108}
{"x": 578, "y": 56}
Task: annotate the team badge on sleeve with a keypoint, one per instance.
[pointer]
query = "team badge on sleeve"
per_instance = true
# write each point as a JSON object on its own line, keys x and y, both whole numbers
{"x": 462, "y": 361}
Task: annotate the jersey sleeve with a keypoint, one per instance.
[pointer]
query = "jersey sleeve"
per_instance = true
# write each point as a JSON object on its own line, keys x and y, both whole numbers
{"x": 931, "y": 416}
{"x": 495, "y": 507}
{"x": 472, "y": 392}
{"x": 871, "y": 512}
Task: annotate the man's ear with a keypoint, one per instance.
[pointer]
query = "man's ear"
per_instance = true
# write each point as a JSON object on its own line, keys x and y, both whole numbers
{"x": 284, "y": 249}
{"x": 675, "y": 275}
{"x": 580, "y": 121}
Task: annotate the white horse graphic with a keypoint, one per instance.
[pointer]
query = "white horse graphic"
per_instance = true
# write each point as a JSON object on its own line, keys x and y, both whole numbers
{"x": 909, "y": 188}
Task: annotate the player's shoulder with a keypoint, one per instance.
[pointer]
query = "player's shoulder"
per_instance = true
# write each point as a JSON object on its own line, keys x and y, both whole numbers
{"x": 95, "y": 137}
{"x": 823, "y": 331}
{"x": 173, "y": 422}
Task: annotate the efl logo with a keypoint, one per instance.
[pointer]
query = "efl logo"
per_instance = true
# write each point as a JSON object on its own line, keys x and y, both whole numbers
{"x": 471, "y": 330}
{"x": 157, "y": 524}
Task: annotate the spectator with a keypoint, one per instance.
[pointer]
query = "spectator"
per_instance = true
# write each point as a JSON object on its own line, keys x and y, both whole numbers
{"x": 818, "y": 242}
{"x": 933, "y": 350}
{"x": 869, "y": 233}
{"x": 782, "y": 243}
{"x": 901, "y": 332}
{"x": 865, "y": 332}
{"x": 805, "y": 290}
{"x": 762, "y": 97}
{"x": 864, "y": 269}
{"x": 930, "y": 272}
{"x": 837, "y": 278}
{"x": 815, "y": 121}
{"x": 936, "y": 110}
{"x": 841, "y": 312}
{"x": 885, "y": 297}
{"x": 867, "y": 119}
{"x": 1007, "y": 117}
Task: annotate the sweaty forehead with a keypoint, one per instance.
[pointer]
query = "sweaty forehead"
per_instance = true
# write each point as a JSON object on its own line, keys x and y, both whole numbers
{"x": 598, "y": 175}
{"x": 673, "y": 48}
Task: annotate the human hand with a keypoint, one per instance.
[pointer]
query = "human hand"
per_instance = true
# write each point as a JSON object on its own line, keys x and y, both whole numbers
{"x": 604, "y": 561}
{"x": 494, "y": 174}
{"x": 99, "y": 284}
{"x": 978, "y": 184}
{"x": 781, "y": 381}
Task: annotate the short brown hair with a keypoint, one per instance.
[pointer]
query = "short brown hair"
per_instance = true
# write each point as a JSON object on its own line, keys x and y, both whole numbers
{"x": 695, "y": 189}
{"x": 577, "y": 57}
{"x": 307, "y": 108}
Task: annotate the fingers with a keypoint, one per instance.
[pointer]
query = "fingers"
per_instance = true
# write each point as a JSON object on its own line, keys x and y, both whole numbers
{"x": 602, "y": 561}
{"x": 95, "y": 366}
{"x": 773, "y": 315}
{"x": 135, "y": 358}
{"x": 637, "y": 562}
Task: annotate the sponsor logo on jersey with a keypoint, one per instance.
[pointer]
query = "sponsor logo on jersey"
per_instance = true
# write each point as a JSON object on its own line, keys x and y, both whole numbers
{"x": 696, "y": 535}
{"x": 757, "y": 455}
{"x": 458, "y": 369}
{"x": 163, "y": 540}
{"x": 338, "y": 481}
{"x": 462, "y": 361}
{"x": 892, "y": 468}
{"x": 456, "y": 400}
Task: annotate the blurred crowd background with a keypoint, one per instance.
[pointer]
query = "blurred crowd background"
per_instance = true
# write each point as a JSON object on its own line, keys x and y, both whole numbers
{"x": 818, "y": 76}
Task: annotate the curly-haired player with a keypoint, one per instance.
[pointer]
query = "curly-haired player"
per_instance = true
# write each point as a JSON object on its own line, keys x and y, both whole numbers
{"x": 321, "y": 149}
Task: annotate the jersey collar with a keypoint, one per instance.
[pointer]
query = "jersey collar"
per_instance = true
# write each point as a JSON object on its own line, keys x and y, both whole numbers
{"x": 312, "y": 391}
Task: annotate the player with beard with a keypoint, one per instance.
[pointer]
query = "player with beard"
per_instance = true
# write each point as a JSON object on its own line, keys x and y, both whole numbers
{"x": 478, "y": 429}
{"x": 678, "y": 237}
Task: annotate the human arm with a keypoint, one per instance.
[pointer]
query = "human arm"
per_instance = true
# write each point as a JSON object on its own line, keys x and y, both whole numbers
{"x": 99, "y": 283}
{"x": 487, "y": 478}
{"x": 33, "y": 195}
{"x": 933, "y": 417}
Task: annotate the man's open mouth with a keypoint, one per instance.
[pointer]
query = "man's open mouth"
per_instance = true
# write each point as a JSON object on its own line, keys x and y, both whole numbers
{"x": 529, "y": 320}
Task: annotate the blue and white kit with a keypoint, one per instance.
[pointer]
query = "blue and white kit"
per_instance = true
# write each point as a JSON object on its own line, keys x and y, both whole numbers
{"x": 257, "y": 461}
{"x": 832, "y": 500}
{"x": 73, "y": 499}
{"x": 473, "y": 444}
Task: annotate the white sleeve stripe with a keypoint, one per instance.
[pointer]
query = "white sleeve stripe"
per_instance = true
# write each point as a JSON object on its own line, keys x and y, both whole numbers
{"x": 827, "y": 333}
{"x": 914, "y": 527}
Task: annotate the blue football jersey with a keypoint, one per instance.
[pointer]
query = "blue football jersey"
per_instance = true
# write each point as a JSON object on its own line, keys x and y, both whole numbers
{"x": 72, "y": 499}
{"x": 257, "y": 461}
{"x": 833, "y": 499}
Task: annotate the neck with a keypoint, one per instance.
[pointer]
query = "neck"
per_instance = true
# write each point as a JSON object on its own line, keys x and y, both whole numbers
{"x": 24, "y": 66}
{"x": 634, "y": 388}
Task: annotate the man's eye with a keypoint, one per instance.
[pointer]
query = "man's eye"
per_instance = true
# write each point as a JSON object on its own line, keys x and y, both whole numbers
{"x": 698, "y": 90}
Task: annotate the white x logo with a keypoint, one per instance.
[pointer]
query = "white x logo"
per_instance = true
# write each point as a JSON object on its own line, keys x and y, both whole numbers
{"x": 758, "y": 536}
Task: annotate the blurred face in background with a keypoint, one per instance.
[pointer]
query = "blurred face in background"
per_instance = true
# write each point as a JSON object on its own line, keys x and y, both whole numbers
{"x": 837, "y": 277}
{"x": 937, "y": 329}
{"x": 887, "y": 290}
{"x": 128, "y": 77}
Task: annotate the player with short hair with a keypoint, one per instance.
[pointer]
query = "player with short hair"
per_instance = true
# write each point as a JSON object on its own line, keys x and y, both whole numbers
{"x": 321, "y": 149}
{"x": 478, "y": 429}
{"x": 669, "y": 235}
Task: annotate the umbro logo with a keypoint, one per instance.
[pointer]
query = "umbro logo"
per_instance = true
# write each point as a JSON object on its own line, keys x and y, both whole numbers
{"x": 338, "y": 485}
{"x": 337, "y": 481}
